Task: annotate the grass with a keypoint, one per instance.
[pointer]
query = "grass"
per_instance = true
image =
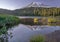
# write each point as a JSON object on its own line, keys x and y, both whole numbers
{"x": 37, "y": 39}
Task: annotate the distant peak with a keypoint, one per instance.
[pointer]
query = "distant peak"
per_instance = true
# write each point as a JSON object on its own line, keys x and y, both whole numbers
{"x": 33, "y": 4}
{"x": 37, "y": 4}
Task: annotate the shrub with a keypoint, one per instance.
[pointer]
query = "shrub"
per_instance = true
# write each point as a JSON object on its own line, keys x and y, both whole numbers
{"x": 7, "y": 21}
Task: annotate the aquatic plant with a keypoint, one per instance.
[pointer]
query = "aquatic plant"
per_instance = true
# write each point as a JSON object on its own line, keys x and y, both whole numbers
{"x": 37, "y": 38}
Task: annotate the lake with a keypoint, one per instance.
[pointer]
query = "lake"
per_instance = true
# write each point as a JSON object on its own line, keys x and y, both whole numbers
{"x": 29, "y": 16}
{"x": 37, "y": 20}
{"x": 22, "y": 33}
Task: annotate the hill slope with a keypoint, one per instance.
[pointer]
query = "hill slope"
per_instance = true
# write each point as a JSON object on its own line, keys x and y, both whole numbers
{"x": 5, "y": 11}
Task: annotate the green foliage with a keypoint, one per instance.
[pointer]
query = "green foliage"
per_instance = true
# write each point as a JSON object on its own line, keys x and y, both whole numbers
{"x": 3, "y": 30}
{"x": 7, "y": 21}
{"x": 37, "y": 39}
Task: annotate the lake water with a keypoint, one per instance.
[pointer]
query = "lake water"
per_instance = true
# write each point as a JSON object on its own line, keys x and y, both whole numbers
{"x": 30, "y": 17}
{"x": 22, "y": 33}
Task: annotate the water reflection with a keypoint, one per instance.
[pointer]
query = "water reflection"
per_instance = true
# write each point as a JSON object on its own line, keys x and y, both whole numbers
{"x": 35, "y": 26}
{"x": 22, "y": 33}
{"x": 5, "y": 37}
{"x": 41, "y": 21}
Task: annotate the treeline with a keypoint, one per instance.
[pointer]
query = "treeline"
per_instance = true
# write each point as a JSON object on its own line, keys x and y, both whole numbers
{"x": 38, "y": 11}
{"x": 47, "y": 11}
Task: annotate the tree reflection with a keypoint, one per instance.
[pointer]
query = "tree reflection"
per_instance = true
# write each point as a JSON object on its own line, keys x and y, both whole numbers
{"x": 5, "y": 37}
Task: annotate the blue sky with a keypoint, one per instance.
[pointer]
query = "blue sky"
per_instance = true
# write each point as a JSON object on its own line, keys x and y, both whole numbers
{"x": 15, "y": 4}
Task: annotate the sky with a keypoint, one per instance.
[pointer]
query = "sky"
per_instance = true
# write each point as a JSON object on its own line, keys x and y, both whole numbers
{"x": 16, "y": 4}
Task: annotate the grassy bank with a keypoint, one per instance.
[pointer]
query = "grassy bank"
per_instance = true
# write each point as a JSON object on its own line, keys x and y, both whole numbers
{"x": 7, "y": 21}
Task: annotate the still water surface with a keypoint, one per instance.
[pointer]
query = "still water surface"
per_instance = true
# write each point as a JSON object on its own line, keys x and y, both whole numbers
{"x": 22, "y": 33}
{"x": 30, "y": 17}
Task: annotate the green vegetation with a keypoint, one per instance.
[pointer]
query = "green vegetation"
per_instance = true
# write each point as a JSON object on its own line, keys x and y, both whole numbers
{"x": 53, "y": 21}
{"x": 7, "y": 21}
{"x": 37, "y": 39}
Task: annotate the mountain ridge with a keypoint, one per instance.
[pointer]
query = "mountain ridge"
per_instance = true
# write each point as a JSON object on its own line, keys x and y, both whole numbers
{"x": 37, "y": 4}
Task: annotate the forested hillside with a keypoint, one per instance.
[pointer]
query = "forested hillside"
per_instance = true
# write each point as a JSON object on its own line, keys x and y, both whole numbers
{"x": 33, "y": 11}
{"x": 38, "y": 11}
{"x": 5, "y": 11}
